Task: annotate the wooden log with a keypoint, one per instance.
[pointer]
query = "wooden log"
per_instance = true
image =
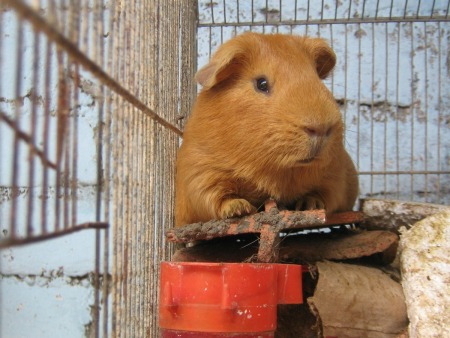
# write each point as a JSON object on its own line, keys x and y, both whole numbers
{"x": 277, "y": 220}
{"x": 357, "y": 301}
{"x": 393, "y": 214}
{"x": 381, "y": 245}
{"x": 268, "y": 224}
{"x": 378, "y": 246}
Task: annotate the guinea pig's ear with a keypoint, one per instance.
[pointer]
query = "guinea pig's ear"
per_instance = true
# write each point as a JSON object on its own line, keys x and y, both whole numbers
{"x": 323, "y": 56}
{"x": 222, "y": 65}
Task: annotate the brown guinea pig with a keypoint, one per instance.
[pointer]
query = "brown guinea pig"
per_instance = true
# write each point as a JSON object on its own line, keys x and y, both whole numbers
{"x": 264, "y": 126}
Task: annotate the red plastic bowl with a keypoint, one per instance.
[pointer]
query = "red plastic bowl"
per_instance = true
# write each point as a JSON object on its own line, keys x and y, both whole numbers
{"x": 232, "y": 298}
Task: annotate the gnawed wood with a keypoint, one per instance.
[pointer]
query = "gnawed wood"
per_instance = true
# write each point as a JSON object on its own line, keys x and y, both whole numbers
{"x": 277, "y": 220}
{"x": 371, "y": 246}
{"x": 268, "y": 224}
{"x": 393, "y": 214}
{"x": 356, "y": 301}
{"x": 341, "y": 246}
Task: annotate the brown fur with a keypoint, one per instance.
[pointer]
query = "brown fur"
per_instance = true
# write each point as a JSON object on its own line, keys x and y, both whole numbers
{"x": 242, "y": 146}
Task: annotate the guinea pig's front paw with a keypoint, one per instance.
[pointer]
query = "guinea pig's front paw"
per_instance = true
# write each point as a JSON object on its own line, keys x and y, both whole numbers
{"x": 235, "y": 208}
{"x": 310, "y": 202}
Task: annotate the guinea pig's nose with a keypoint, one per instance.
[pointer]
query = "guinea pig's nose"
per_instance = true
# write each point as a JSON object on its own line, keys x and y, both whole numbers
{"x": 317, "y": 131}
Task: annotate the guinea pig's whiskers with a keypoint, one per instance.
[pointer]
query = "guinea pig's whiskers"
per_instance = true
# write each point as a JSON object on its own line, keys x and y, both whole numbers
{"x": 261, "y": 207}
{"x": 250, "y": 243}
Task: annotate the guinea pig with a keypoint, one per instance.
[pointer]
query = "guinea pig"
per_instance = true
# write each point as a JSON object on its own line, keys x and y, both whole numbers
{"x": 264, "y": 126}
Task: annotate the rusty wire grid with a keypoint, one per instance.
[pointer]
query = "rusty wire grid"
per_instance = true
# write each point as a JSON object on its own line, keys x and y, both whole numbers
{"x": 94, "y": 95}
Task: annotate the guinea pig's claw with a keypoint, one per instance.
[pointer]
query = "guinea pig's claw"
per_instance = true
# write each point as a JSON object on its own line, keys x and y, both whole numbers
{"x": 310, "y": 203}
{"x": 235, "y": 208}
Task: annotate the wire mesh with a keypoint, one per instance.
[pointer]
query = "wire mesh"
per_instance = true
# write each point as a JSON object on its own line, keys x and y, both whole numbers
{"x": 163, "y": 38}
{"x": 51, "y": 127}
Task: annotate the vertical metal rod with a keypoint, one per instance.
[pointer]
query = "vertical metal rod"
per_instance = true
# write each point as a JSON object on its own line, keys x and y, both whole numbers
{"x": 372, "y": 108}
{"x": 117, "y": 279}
{"x": 280, "y": 4}
{"x": 413, "y": 106}
{"x": 221, "y": 34}
{"x": 108, "y": 178}
{"x": 140, "y": 196}
{"x": 349, "y": 10}
{"x": 33, "y": 124}
{"x": 1, "y": 126}
{"x": 60, "y": 123}
{"x": 332, "y": 47}
{"x": 122, "y": 226}
{"x": 266, "y": 12}
{"x": 98, "y": 57}
{"x": 151, "y": 134}
{"x": 68, "y": 128}
{"x": 15, "y": 160}
{"x": 127, "y": 130}
{"x": 210, "y": 36}
{"x": 224, "y": 12}
{"x": 156, "y": 212}
{"x": 144, "y": 51}
{"x": 138, "y": 158}
{"x": 438, "y": 182}
{"x": 159, "y": 193}
{"x": 75, "y": 25}
{"x": 307, "y": 17}
{"x": 385, "y": 105}
{"x": 426, "y": 110}
{"x": 405, "y": 9}
{"x": 146, "y": 167}
{"x": 131, "y": 169}
{"x": 295, "y": 10}
{"x": 253, "y": 11}
{"x": 335, "y": 9}
{"x": 432, "y": 9}
{"x": 60, "y": 136}
{"x": 67, "y": 146}
{"x": 345, "y": 76}
{"x": 322, "y": 8}
{"x": 45, "y": 136}
{"x": 397, "y": 109}
{"x": 358, "y": 118}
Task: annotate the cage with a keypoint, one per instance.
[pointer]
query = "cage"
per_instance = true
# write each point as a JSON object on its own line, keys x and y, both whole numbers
{"x": 93, "y": 98}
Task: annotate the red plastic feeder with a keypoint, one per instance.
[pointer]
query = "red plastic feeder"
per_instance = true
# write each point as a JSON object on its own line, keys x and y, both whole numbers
{"x": 225, "y": 299}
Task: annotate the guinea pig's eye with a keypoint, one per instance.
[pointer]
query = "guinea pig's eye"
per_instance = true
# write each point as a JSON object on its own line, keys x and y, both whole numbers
{"x": 262, "y": 84}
